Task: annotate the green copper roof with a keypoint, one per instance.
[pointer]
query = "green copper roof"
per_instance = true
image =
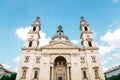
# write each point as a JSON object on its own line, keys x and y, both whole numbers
{"x": 60, "y": 34}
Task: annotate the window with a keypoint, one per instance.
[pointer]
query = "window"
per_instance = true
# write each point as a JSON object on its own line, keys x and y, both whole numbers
{"x": 37, "y": 43}
{"x": 93, "y": 59}
{"x": 34, "y": 28}
{"x": 59, "y": 63}
{"x": 96, "y": 74}
{"x": 89, "y": 43}
{"x": 27, "y": 59}
{"x": 82, "y": 59}
{"x": 30, "y": 44}
{"x": 37, "y": 59}
{"x": 84, "y": 74}
{"x": 24, "y": 74}
{"x": 86, "y": 29}
{"x": 36, "y": 74}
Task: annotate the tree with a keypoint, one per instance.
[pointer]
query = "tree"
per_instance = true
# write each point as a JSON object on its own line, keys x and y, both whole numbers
{"x": 117, "y": 77}
{"x": 5, "y": 77}
{"x": 11, "y": 77}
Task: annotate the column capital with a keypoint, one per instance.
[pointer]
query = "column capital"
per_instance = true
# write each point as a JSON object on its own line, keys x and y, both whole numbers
{"x": 68, "y": 64}
{"x": 51, "y": 64}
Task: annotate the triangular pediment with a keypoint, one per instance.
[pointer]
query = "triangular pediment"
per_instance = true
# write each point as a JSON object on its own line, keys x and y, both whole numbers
{"x": 61, "y": 45}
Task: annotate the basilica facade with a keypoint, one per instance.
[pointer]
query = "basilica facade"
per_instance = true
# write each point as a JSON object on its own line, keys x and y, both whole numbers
{"x": 60, "y": 59}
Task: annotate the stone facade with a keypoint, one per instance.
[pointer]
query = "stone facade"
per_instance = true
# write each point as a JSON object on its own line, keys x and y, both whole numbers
{"x": 60, "y": 59}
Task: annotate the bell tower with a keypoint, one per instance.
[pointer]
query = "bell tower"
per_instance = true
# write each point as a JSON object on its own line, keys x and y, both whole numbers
{"x": 86, "y": 37}
{"x": 33, "y": 35}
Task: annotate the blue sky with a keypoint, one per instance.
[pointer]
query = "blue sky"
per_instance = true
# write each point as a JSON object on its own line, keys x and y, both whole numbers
{"x": 17, "y": 15}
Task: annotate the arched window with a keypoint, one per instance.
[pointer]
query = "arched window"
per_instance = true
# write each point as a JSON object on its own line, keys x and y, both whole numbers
{"x": 36, "y": 74}
{"x": 96, "y": 74}
{"x": 24, "y": 74}
{"x": 37, "y": 43}
{"x": 84, "y": 74}
{"x": 86, "y": 29}
{"x": 89, "y": 43}
{"x": 34, "y": 28}
{"x": 30, "y": 43}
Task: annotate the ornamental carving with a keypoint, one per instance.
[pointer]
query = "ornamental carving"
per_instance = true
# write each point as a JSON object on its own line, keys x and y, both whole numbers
{"x": 60, "y": 45}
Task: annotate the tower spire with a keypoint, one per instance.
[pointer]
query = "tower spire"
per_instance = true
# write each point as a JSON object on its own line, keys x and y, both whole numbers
{"x": 33, "y": 34}
{"x": 82, "y": 19}
{"x": 37, "y": 19}
{"x": 86, "y": 37}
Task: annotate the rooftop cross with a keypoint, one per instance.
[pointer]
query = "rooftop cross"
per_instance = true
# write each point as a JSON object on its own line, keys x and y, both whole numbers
{"x": 60, "y": 34}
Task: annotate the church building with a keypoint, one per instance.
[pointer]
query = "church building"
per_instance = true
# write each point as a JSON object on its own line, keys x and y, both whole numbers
{"x": 60, "y": 59}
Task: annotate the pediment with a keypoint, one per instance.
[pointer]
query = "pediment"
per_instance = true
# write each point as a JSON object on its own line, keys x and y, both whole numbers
{"x": 61, "y": 45}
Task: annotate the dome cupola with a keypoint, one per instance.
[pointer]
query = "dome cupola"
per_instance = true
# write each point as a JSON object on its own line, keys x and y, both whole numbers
{"x": 60, "y": 34}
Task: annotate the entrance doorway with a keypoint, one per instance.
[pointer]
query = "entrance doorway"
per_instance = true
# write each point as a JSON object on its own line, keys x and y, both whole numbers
{"x": 59, "y": 78}
{"x": 60, "y": 68}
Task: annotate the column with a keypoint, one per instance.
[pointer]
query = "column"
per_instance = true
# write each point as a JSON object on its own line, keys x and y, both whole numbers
{"x": 68, "y": 77}
{"x": 52, "y": 72}
{"x": 70, "y": 73}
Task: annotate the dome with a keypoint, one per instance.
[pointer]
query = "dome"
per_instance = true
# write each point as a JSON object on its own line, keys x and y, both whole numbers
{"x": 60, "y": 34}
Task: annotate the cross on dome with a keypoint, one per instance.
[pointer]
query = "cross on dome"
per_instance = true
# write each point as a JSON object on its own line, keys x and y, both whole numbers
{"x": 60, "y": 34}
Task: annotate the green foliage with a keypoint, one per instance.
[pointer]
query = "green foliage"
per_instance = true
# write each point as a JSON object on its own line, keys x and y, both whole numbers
{"x": 5, "y": 77}
{"x": 117, "y": 77}
{"x": 11, "y": 77}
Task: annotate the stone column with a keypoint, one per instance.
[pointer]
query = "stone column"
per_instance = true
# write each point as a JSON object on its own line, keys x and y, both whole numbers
{"x": 68, "y": 71}
{"x": 52, "y": 72}
{"x": 68, "y": 77}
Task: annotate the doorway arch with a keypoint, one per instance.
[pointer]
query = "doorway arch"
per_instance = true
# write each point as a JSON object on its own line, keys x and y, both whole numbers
{"x": 60, "y": 68}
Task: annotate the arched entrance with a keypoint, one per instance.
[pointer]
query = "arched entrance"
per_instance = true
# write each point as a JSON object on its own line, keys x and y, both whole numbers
{"x": 60, "y": 68}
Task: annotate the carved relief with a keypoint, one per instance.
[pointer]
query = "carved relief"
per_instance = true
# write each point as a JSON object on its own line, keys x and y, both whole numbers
{"x": 60, "y": 45}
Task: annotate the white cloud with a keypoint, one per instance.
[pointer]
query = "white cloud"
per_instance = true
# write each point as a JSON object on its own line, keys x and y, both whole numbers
{"x": 109, "y": 58}
{"x": 117, "y": 55}
{"x": 112, "y": 39}
{"x": 105, "y": 69}
{"x": 113, "y": 24}
{"x": 105, "y": 49}
{"x": 16, "y": 59}
{"x": 115, "y": 1}
{"x": 15, "y": 69}
{"x": 104, "y": 62}
{"x": 6, "y": 66}
{"x": 22, "y": 33}
{"x": 75, "y": 41}
{"x": 44, "y": 40}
